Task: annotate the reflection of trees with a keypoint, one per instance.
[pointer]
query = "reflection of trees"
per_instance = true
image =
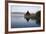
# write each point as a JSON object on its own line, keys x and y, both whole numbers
{"x": 27, "y": 19}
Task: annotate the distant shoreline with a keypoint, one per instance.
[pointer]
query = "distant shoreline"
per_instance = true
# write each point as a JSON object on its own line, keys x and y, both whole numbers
{"x": 20, "y": 13}
{"x": 17, "y": 13}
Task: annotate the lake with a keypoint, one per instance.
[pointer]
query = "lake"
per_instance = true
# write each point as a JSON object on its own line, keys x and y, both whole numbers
{"x": 21, "y": 22}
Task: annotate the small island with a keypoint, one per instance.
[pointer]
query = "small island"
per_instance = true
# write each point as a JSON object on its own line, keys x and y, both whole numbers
{"x": 29, "y": 16}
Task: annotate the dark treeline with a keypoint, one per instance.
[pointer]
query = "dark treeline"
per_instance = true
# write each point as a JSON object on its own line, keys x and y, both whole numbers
{"x": 38, "y": 17}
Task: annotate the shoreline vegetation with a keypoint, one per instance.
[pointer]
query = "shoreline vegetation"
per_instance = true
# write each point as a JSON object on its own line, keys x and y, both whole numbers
{"x": 32, "y": 16}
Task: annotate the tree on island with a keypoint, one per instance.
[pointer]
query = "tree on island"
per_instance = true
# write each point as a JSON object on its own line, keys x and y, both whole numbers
{"x": 27, "y": 13}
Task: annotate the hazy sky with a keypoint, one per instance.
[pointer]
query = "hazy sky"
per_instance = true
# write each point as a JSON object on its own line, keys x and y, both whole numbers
{"x": 31, "y": 9}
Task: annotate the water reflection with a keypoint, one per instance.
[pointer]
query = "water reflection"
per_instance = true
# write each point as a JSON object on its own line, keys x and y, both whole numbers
{"x": 27, "y": 19}
{"x": 22, "y": 22}
{"x": 37, "y": 21}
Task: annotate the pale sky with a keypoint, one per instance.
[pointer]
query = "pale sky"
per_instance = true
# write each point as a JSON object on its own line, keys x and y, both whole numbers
{"x": 31, "y": 9}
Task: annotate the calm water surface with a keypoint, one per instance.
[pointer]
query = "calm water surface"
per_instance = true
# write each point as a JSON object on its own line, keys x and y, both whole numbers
{"x": 21, "y": 22}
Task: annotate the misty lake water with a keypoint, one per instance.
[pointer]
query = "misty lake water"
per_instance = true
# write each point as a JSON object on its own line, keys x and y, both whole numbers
{"x": 21, "y": 22}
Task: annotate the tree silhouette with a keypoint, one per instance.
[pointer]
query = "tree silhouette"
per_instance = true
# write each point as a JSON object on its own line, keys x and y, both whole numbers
{"x": 27, "y": 13}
